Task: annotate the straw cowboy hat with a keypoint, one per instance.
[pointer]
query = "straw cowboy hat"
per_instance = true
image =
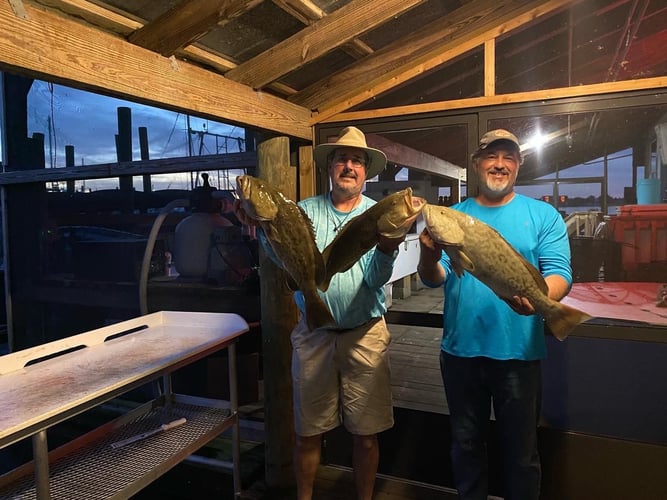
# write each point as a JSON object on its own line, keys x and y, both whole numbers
{"x": 354, "y": 138}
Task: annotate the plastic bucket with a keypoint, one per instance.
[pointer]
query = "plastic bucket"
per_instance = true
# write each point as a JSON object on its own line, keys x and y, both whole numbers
{"x": 648, "y": 191}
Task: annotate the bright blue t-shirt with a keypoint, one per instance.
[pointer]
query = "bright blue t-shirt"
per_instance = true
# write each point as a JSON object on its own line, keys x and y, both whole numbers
{"x": 476, "y": 321}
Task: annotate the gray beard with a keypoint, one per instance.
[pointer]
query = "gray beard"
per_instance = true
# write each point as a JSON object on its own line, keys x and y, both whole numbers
{"x": 497, "y": 193}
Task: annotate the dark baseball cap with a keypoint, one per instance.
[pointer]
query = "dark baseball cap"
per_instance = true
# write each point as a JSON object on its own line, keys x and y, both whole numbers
{"x": 497, "y": 135}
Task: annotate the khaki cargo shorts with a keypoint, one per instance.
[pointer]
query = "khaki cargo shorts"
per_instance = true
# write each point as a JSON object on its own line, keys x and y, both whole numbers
{"x": 342, "y": 377}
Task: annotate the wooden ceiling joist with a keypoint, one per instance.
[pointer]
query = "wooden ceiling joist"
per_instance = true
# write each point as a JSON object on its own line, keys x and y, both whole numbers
{"x": 187, "y": 22}
{"x": 419, "y": 52}
{"x": 318, "y": 39}
{"x": 97, "y": 15}
{"x": 307, "y": 12}
{"x": 418, "y": 160}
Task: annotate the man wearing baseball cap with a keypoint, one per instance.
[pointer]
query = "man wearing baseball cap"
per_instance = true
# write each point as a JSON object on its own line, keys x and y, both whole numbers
{"x": 490, "y": 353}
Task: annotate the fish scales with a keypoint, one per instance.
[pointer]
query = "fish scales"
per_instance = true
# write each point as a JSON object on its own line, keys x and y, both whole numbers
{"x": 289, "y": 232}
{"x": 476, "y": 247}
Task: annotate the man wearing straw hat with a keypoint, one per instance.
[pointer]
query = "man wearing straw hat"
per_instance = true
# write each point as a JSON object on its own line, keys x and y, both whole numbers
{"x": 341, "y": 376}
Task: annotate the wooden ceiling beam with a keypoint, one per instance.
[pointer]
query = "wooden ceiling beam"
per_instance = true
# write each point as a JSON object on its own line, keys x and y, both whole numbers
{"x": 464, "y": 29}
{"x": 596, "y": 89}
{"x": 97, "y": 16}
{"x": 89, "y": 59}
{"x": 406, "y": 156}
{"x": 113, "y": 22}
{"x": 394, "y": 56}
{"x": 325, "y": 35}
{"x": 307, "y": 12}
{"x": 186, "y": 22}
{"x": 93, "y": 14}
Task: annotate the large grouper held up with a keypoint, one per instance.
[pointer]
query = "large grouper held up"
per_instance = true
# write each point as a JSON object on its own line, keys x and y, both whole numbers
{"x": 474, "y": 246}
{"x": 289, "y": 232}
{"x": 392, "y": 216}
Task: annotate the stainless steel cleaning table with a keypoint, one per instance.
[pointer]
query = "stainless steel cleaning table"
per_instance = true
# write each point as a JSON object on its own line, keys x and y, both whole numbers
{"x": 50, "y": 383}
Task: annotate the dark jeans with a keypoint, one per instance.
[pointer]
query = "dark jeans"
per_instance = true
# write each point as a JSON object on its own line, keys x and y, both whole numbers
{"x": 515, "y": 388}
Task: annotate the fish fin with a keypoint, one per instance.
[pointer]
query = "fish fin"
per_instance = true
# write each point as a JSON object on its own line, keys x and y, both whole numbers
{"x": 454, "y": 254}
{"x": 311, "y": 230}
{"x": 536, "y": 274}
{"x": 323, "y": 284}
{"x": 561, "y": 324}
{"x": 326, "y": 252}
{"x": 321, "y": 277}
{"x": 318, "y": 314}
{"x": 460, "y": 261}
{"x": 465, "y": 260}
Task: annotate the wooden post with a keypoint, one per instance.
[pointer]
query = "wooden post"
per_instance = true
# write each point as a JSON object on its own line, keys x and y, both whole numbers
{"x": 24, "y": 222}
{"x": 69, "y": 162}
{"x": 123, "y": 154}
{"x": 307, "y": 173}
{"x": 145, "y": 155}
{"x": 278, "y": 317}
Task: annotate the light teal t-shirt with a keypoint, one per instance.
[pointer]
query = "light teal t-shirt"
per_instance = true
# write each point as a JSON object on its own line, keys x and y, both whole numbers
{"x": 357, "y": 295}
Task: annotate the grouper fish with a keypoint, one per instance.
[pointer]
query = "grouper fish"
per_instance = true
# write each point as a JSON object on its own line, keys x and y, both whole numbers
{"x": 392, "y": 217}
{"x": 476, "y": 247}
{"x": 289, "y": 232}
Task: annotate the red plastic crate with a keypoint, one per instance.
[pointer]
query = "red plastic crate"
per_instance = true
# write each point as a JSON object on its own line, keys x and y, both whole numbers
{"x": 642, "y": 232}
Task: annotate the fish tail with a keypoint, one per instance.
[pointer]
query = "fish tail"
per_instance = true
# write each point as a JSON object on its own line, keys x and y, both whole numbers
{"x": 318, "y": 314}
{"x": 565, "y": 319}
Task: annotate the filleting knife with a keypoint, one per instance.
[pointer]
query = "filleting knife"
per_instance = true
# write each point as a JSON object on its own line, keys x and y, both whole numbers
{"x": 144, "y": 435}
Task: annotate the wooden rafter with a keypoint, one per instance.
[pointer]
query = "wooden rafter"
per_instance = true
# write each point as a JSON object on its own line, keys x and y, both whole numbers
{"x": 307, "y": 12}
{"x": 318, "y": 39}
{"x": 435, "y": 44}
{"x": 187, "y": 22}
{"x": 113, "y": 22}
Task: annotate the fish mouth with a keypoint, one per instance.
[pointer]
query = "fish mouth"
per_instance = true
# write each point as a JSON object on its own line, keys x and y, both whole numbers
{"x": 413, "y": 208}
{"x": 242, "y": 184}
{"x": 418, "y": 203}
{"x": 415, "y": 203}
{"x": 409, "y": 199}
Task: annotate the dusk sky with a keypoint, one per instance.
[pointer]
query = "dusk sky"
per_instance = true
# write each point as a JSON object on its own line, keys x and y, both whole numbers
{"x": 89, "y": 123}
